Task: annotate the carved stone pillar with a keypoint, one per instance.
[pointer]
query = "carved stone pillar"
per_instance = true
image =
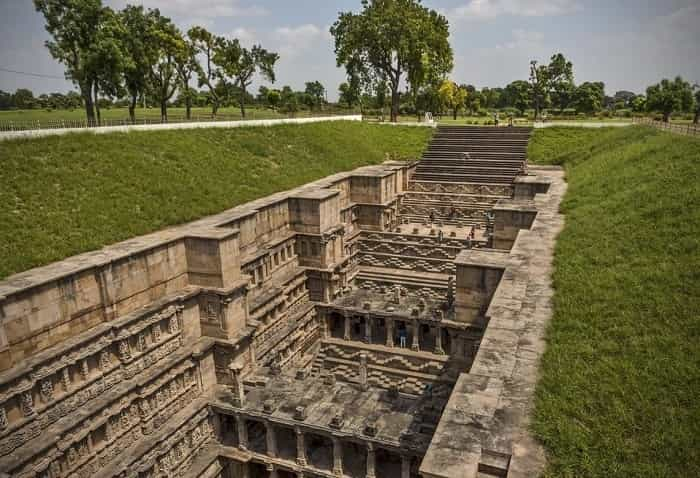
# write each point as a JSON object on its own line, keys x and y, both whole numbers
{"x": 65, "y": 379}
{"x": 273, "y": 471}
{"x": 237, "y": 382}
{"x": 370, "y": 461}
{"x": 405, "y": 466}
{"x": 363, "y": 371}
{"x": 271, "y": 439}
{"x": 337, "y": 457}
{"x": 242, "y": 432}
{"x": 251, "y": 351}
{"x": 415, "y": 344}
{"x": 368, "y": 329}
{"x": 438, "y": 341}
{"x": 346, "y": 325}
{"x": 301, "y": 448}
{"x": 389, "y": 332}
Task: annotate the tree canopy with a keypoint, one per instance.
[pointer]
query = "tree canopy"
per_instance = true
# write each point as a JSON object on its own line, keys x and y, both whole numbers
{"x": 393, "y": 40}
{"x": 669, "y": 96}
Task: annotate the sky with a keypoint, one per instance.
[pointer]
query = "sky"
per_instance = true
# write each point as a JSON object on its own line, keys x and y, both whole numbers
{"x": 627, "y": 44}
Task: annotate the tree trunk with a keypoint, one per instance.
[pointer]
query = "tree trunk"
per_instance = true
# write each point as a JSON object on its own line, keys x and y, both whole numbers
{"x": 188, "y": 105}
{"x": 242, "y": 102}
{"x": 696, "y": 119}
{"x": 164, "y": 111}
{"x": 214, "y": 107}
{"x": 89, "y": 105}
{"x": 97, "y": 106}
{"x": 395, "y": 103}
{"x": 454, "y": 114}
{"x": 667, "y": 117}
{"x": 132, "y": 109}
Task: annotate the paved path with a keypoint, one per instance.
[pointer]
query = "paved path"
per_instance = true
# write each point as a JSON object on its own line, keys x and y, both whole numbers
{"x": 583, "y": 124}
{"x": 39, "y": 133}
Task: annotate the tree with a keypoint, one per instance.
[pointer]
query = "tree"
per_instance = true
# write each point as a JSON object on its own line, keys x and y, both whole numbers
{"x": 274, "y": 98}
{"x": 472, "y": 100}
{"x": 241, "y": 64}
{"x": 696, "y": 118}
{"x": 186, "y": 65}
{"x": 6, "y": 100}
{"x": 23, "y": 99}
{"x": 165, "y": 40}
{"x": 349, "y": 94}
{"x": 517, "y": 95}
{"x": 452, "y": 96}
{"x": 207, "y": 45}
{"x": 588, "y": 97}
{"x": 393, "y": 40}
{"x": 315, "y": 94}
{"x": 137, "y": 53}
{"x": 107, "y": 61}
{"x": 74, "y": 27}
{"x": 624, "y": 97}
{"x": 639, "y": 104}
{"x": 669, "y": 96}
{"x": 557, "y": 77}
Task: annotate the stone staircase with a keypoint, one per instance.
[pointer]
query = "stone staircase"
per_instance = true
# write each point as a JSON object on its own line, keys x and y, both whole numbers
{"x": 474, "y": 154}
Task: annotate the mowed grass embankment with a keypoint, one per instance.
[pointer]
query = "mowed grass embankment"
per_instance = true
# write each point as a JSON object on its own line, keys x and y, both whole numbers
{"x": 63, "y": 195}
{"x": 620, "y": 388}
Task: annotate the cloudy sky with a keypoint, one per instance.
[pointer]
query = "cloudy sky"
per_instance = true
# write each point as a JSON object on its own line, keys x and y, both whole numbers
{"x": 628, "y": 44}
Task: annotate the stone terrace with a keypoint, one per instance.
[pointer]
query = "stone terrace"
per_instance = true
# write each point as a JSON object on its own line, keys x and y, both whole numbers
{"x": 383, "y": 322}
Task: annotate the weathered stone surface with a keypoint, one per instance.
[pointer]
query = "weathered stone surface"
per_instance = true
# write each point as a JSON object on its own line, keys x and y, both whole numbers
{"x": 381, "y": 322}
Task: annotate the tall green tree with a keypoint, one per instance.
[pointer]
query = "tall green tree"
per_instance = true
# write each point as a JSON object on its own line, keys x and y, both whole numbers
{"x": 242, "y": 64}
{"x": 670, "y": 96}
{"x": 208, "y": 46}
{"x": 349, "y": 94}
{"x": 316, "y": 94}
{"x": 588, "y": 97}
{"x": 393, "y": 40}
{"x": 517, "y": 95}
{"x": 186, "y": 66}
{"x": 452, "y": 96}
{"x": 556, "y": 77}
{"x": 696, "y": 118}
{"x": 107, "y": 60}
{"x": 166, "y": 41}
{"x": 23, "y": 99}
{"x": 137, "y": 53}
{"x": 74, "y": 26}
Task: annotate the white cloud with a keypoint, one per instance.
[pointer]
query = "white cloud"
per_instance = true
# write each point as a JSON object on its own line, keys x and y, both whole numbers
{"x": 294, "y": 42}
{"x": 200, "y": 8}
{"x": 247, "y": 36}
{"x": 488, "y": 9}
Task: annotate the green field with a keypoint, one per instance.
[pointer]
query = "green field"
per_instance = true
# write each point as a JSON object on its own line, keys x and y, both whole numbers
{"x": 621, "y": 374}
{"x": 43, "y": 115}
{"x": 68, "y": 194}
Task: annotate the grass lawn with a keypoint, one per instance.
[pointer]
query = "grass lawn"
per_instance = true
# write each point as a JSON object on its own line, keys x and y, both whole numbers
{"x": 44, "y": 115}
{"x": 64, "y": 195}
{"x": 620, "y": 391}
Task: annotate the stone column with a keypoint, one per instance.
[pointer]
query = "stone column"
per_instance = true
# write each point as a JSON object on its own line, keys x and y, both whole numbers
{"x": 346, "y": 325}
{"x": 405, "y": 466}
{"x": 271, "y": 439}
{"x": 301, "y": 448}
{"x": 370, "y": 461}
{"x": 438, "y": 341}
{"x": 363, "y": 371}
{"x": 415, "y": 344}
{"x": 237, "y": 383}
{"x": 251, "y": 351}
{"x": 389, "y": 332}
{"x": 337, "y": 457}
{"x": 273, "y": 471}
{"x": 368, "y": 329}
{"x": 242, "y": 432}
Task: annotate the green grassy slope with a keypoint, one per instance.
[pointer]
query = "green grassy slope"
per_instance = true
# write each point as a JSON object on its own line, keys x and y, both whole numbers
{"x": 619, "y": 396}
{"x": 64, "y": 195}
